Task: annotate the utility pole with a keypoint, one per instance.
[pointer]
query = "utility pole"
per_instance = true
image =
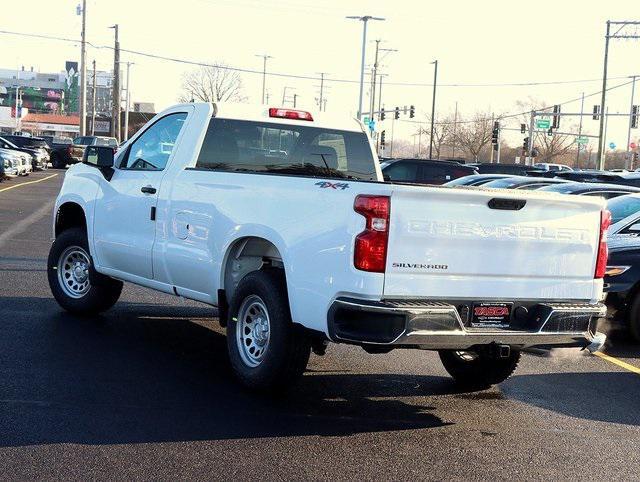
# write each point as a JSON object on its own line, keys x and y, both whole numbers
{"x": 115, "y": 121}
{"x": 618, "y": 34}
{"x": 455, "y": 126}
{"x": 364, "y": 19}
{"x": 604, "y": 140}
{"x": 18, "y": 103}
{"x": 603, "y": 98}
{"x": 433, "y": 106}
{"x": 321, "y": 96}
{"x": 93, "y": 100}
{"x": 380, "y": 94}
{"x": 264, "y": 73}
{"x": 629, "y": 155}
{"x": 580, "y": 131}
{"x": 83, "y": 71}
{"x": 127, "y": 104}
{"x": 295, "y": 100}
{"x": 493, "y": 120}
{"x": 393, "y": 124}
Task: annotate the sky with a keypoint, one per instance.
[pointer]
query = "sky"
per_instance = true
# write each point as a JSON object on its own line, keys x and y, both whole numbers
{"x": 490, "y": 42}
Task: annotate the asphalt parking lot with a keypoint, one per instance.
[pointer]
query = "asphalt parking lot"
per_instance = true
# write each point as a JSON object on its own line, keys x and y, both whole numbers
{"x": 145, "y": 392}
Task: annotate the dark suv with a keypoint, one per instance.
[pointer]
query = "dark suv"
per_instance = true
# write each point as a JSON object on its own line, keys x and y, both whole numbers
{"x": 424, "y": 171}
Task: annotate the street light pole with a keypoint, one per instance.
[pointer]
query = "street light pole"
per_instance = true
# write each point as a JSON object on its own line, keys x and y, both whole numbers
{"x": 633, "y": 88}
{"x": 127, "y": 104}
{"x": 364, "y": 19}
{"x": 93, "y": 100}
{"x": 83, "y": 71}
{"x": 600, "y": 160}
{"x": 580, "y": 131}
{"x": 264, "y": 72}
{"x": 433, "y": 106}
{"x": 115, "y": 120}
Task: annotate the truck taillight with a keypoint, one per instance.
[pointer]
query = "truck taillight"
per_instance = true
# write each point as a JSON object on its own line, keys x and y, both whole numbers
{"x": 371, "y": 244}
{"x": 603, "y": 251}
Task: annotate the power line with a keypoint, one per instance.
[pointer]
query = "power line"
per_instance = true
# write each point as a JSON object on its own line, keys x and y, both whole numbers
{"x": 304, "y": 77}
{"x": 510, "y": 116}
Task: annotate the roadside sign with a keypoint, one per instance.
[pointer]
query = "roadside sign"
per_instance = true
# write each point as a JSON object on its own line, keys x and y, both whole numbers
{"x": 612, "y": 145}
{"x": 543, "y": 123}
{"x": 582, "y": 140}
{"x": 633, "y": 145}
{"x": 366, "y": 120}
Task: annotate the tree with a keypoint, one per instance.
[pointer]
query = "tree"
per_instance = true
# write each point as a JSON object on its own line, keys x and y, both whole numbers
{"x": 215, "y": 83}
{"x": 442, "y": 135}
{"x": 474, "y": 135}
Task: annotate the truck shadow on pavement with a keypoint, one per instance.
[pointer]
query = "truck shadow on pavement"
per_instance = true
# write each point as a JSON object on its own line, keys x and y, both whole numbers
{"x": 148, "y": 373}
{"x": 157, "y": 373}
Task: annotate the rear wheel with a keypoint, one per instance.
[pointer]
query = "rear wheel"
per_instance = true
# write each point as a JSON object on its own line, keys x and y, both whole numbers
{"x": 268, "y": 352}
{"x": 478, "y": 369}
{"x": 75, "y": 285}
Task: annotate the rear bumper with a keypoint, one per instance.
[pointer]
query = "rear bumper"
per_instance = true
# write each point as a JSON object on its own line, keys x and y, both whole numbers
{"x": 441, "y": 325}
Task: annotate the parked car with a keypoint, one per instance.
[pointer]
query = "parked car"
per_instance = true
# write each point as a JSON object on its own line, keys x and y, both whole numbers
{"x": 36, "y": 147}
{"x": 547, "y": 166}
{"x": 630, "y": 179}
{"x": 511, "y": 169}
{"x": 623, "y": 208}
{"x": 607, "y": 191}
{"x": 80, "y": 144}
{"x": 20, "y": 160}
{"x": 9, "y": 166}
{"x": 279, "y": 217}
{"x": 475, "y": 179}
{"x": 424, "y": 171}
{"x": 60, "y": 151}
{"x": 522, "y": 182}
{"x": 622, "y": 284}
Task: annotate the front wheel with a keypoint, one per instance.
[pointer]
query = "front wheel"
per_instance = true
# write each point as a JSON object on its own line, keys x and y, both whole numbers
{"x": 478, "y": 369}
{"x": 268, "y": 352}
{"x": 75, "y": 285}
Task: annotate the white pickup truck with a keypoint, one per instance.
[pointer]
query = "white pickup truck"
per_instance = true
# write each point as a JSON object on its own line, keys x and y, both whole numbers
{"x": 281, "y": 219}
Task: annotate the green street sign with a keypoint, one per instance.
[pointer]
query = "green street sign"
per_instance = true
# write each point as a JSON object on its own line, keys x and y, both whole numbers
{"x": 582, "y": 140}
{"x": 543, "y": 123}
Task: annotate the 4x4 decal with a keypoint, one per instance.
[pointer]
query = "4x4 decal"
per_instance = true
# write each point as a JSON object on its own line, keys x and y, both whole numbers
{"x": 333, "y": 185}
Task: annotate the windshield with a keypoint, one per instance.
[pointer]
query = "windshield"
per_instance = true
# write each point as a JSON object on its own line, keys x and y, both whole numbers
{"x": 235, "y": 145}
{"x": 623, "y": 206}
{"x": 106, "y": 141}
{"x": 82, "y": 141}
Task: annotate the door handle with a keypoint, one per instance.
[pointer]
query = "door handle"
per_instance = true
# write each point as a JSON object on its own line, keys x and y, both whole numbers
{"x": 148, "y": 189}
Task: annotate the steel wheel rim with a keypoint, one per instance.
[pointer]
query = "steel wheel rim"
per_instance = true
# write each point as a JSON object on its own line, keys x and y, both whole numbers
{"x": 253, "y": 331}
{"x": 73, "y": 272}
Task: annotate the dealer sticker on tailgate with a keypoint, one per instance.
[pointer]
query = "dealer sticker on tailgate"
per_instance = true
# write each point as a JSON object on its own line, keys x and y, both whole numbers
{"x": 491, "y": 314}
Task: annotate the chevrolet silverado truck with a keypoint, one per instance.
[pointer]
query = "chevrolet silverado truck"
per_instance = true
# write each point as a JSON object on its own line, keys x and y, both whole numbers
{"x": 281, "y": 219}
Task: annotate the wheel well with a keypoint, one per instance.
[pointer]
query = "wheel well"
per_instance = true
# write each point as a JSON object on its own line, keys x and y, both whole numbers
{"x": 247, "y": 255}
{"x": 69, "y": 215}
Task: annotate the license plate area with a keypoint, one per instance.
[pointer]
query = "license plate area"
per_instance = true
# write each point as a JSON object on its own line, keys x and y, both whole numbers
{"x": 491, "y": 314}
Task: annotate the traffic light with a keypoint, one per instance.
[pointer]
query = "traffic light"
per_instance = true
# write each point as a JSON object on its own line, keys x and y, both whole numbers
{"x": 396, "y": 115}
{"x": 596, "y": 112}
{"x": 525, "y": 144}
{"x": 495, "y": 135}
{"x": 382, "y": 139}
{"x": 635, "y": 113}
{"x": 556, "y": 117}
{"x": 550, "y": 132}
{"x": 412, "y": 112}
{"x": 382, "y": 114}
{"x": 523, "y": 128}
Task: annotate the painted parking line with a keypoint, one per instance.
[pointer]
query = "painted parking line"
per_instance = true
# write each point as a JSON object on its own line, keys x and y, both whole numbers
{"x": 620, "y": 363}
{"x": 28, "y": 182}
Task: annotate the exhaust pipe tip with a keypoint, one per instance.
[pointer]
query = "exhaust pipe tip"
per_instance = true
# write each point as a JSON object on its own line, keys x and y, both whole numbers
{"x": 597, "y": 343}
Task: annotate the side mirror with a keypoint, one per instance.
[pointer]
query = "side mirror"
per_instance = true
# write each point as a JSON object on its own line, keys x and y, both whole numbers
{"x": 98, "y": 156}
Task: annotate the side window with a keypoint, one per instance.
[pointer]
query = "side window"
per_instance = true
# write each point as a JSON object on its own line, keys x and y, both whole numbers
{"x": 152, "y": 149}
{"x": 434, "y": 175}
{"x": 402, "y": 171}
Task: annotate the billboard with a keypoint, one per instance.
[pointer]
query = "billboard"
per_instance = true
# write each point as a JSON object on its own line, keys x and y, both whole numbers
{"x": 71, "y": 88}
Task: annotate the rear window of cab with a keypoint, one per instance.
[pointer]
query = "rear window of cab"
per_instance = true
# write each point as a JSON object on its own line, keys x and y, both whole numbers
{"x": 263, "y": 147}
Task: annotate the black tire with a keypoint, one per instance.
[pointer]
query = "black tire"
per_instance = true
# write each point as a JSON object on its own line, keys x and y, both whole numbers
{"x": 56, "y": 162}
{"x": 99, "y": 292}
{"x": 478, "y": 369}
{"x": 286, "y": 353}
{"x": 634, "y": 318}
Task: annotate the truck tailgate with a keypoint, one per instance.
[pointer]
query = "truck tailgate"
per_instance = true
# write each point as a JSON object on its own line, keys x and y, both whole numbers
{"x": 448, "y": 243}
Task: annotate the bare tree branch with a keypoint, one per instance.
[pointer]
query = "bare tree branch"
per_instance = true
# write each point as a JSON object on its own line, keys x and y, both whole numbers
{"x": 212, "y": 84}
